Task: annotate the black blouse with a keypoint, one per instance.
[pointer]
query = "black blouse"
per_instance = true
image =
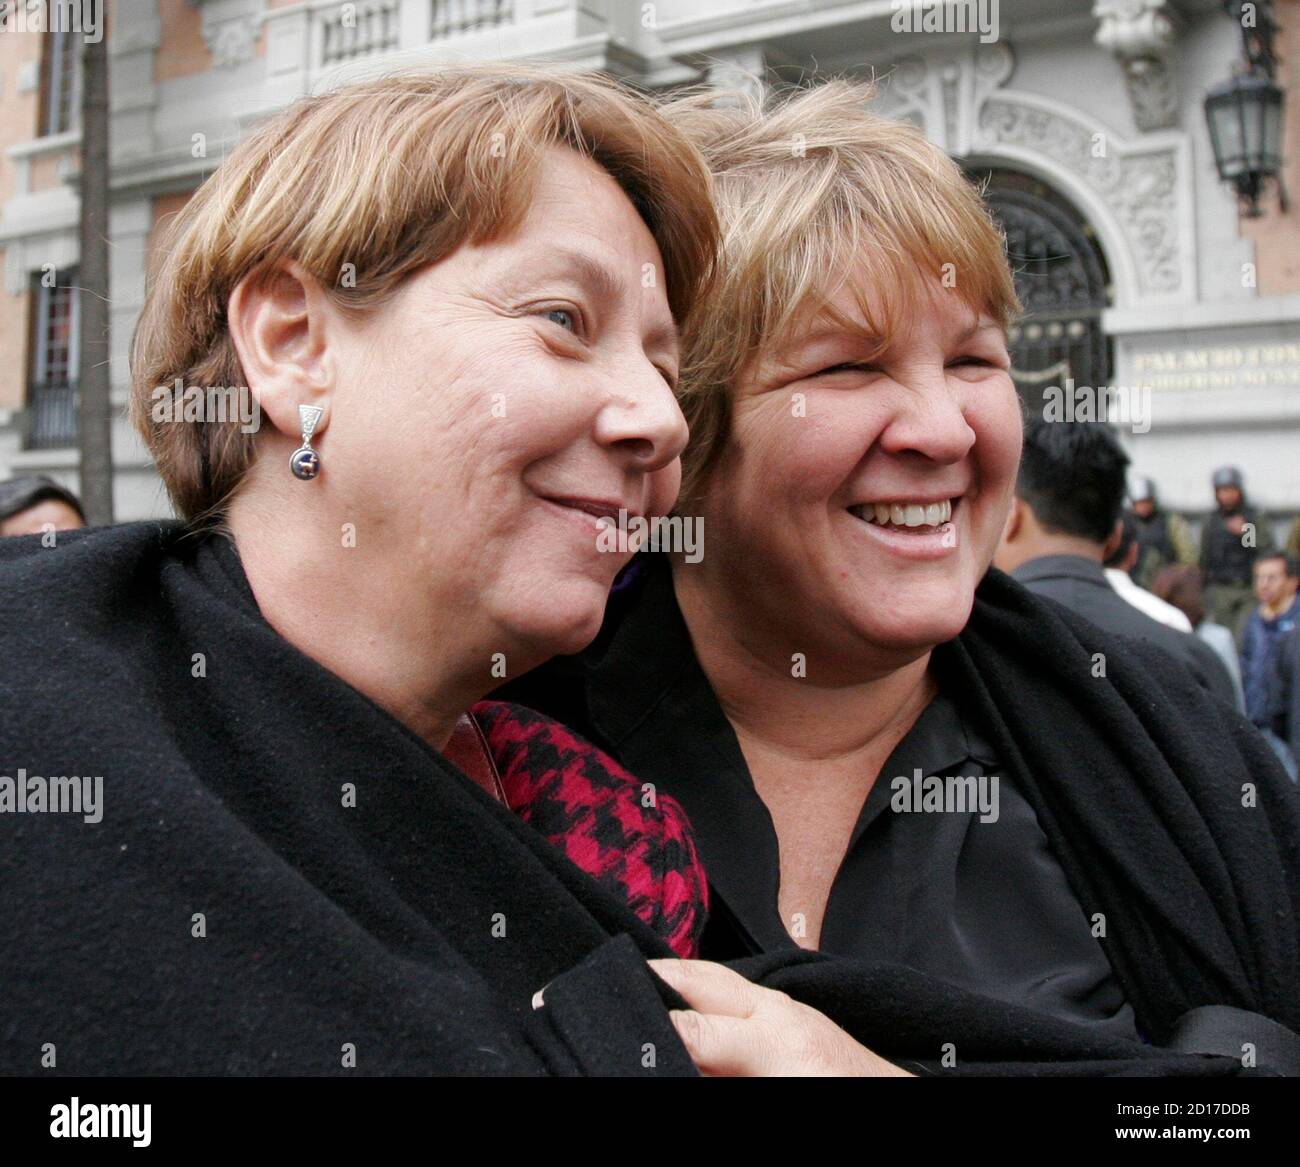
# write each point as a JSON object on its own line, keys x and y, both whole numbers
{"x": 980, "y": 904}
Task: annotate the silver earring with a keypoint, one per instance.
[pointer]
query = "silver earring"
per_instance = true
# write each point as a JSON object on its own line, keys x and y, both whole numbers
{"x": 304, "y": 461}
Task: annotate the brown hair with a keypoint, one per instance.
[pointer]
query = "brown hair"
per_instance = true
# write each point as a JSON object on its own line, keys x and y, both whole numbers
{"x": 1180, "y": 584}
{"x": 810, "y": 184}
{"x": 366, "y": 184}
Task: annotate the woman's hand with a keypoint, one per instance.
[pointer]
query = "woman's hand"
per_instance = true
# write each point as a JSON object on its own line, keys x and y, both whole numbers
{"x": 737, "y": 1029}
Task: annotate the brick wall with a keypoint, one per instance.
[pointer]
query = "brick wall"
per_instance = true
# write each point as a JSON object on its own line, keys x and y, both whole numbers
{"x": 1277, "y": 236}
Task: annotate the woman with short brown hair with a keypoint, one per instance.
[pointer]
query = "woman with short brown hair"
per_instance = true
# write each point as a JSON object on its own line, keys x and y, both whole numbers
{"x": 405, "y": 349}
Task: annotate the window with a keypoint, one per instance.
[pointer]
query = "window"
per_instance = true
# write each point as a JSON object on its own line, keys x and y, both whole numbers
{"x": 52, "y": 396}
{"x": 360, "y": 30}
{"x": 61, "y": 83}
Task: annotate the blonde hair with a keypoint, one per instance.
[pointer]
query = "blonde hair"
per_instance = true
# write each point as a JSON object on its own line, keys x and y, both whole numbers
{"x": 366, "y": 184}
{"x": 813, "y": 189}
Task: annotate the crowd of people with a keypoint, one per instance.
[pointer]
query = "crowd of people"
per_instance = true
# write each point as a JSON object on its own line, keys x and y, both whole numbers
{"x": 1237, "y": 591}
{"x": 379, "y": 759}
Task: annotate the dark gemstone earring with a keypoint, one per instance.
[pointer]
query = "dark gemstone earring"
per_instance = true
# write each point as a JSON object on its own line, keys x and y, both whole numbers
{"x": 304, "y": 461}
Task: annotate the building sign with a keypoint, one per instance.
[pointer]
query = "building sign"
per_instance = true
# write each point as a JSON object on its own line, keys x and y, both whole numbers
{"x": 1228, "y": 366}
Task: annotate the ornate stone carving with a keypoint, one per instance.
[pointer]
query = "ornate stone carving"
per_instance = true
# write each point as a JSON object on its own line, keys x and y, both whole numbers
{"x": 230, "y": 29}
{"x": 230, "y": 41}
{"x": 1141, "y": 188}
{"x": 942, "y": 93}
{"x": 1141, "y": 33}
{"x": 956, "y": 97}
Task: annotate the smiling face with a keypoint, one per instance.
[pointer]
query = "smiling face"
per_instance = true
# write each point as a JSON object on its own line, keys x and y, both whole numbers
{"x": 509, "y": 396}
{"x": 859, "y": 498}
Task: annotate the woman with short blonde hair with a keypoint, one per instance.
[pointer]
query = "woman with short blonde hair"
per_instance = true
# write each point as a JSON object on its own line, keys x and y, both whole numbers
{"x": 1018, "y": 836}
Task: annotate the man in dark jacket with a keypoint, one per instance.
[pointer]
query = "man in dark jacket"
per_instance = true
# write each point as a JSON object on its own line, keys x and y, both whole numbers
{"x": 1231, "y": 539}
{"x": 1064, "y": 524}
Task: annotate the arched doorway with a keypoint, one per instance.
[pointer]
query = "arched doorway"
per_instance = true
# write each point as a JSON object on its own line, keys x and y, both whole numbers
{"x": 1062, "y": 280}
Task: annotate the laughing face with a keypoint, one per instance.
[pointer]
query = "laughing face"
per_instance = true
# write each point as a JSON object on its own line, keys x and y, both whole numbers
{"x": 860, "y": 497}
